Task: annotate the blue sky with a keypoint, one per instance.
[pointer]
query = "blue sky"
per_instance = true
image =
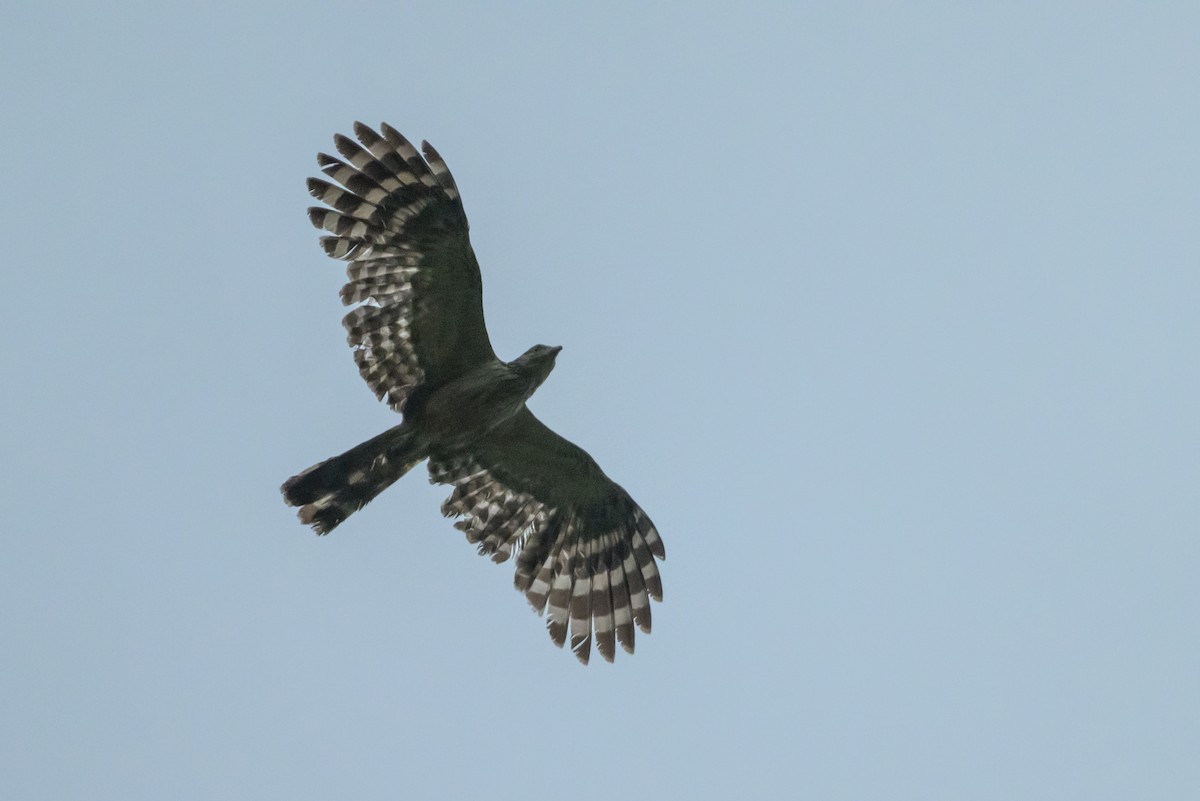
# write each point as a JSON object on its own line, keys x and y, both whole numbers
{"x": 886, "y": 313}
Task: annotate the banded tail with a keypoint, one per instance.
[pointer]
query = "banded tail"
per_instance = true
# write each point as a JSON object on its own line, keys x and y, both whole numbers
{"x": 330, "y": 491}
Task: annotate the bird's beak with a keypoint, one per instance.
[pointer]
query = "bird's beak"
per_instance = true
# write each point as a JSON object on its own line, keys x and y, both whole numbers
{"x": 556, "y": 349}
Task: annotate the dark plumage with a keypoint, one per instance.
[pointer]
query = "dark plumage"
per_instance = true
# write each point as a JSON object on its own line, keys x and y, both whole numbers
{"x": 586, "y": 550}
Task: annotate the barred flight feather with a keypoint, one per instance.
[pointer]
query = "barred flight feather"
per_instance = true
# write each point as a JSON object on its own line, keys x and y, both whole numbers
{"x": 372, "y": 188}
{"x": 589, "y": 583}
{"x": 559, "y": 603}
{"x": 545, "y": 537}
{"x": 622, "y": 616}
{"x": 382, "y": 188}
{"x": 440, "y": 170}
{"x": 581, "y": 604}
{"x": 602, "y": 600}
{"x": 342, "y": 200}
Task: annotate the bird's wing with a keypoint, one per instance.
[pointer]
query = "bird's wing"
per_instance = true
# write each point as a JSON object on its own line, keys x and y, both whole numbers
{"x": 398, "y": 219}
{"x": 586, "y": 549}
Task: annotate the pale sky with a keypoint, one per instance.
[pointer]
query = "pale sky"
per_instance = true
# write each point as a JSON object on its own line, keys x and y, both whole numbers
{"x": 886, "y": 313}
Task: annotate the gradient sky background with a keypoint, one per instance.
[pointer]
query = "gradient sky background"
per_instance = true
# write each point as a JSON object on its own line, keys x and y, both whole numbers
{"x": 887, "y": 313}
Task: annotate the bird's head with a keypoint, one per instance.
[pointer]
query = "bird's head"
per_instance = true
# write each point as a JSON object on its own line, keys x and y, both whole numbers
{"x": 537, "y": 362}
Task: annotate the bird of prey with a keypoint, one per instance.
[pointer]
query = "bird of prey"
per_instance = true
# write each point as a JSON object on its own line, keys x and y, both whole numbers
{"x": 585, "y": 551}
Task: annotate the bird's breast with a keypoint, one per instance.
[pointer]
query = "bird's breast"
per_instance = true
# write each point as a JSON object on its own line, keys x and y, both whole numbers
{"x": 466, "y": 408}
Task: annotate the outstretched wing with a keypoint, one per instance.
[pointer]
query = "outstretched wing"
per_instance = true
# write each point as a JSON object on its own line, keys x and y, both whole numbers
{"x": 585, "y": 549}
{"x": 399, "y": 221}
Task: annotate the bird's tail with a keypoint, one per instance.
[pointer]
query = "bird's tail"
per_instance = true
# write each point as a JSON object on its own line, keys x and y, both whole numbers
{"x": 330, "y": 491}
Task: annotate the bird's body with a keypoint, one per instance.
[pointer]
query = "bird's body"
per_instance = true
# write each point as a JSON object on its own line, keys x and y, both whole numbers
{"x": 468, "y": 407}
{"x": 586, "y": 551}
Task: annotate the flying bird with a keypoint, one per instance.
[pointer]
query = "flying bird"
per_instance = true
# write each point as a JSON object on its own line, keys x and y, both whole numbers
{"x": 585, "y": 551}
